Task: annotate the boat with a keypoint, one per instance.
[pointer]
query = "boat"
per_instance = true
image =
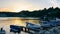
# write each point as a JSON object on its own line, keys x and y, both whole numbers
{"x": 50, "y": 23}
{"x": 33, "y": 26}
{"x": 14, "y": 28}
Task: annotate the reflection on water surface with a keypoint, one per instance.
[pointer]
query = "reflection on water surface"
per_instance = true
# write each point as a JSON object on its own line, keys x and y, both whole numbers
{"x": 5, "y": 22}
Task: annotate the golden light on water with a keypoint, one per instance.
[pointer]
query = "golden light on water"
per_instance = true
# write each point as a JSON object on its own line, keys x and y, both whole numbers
{"x": 19, "y": 22}
{"x": 22, "y": 22}
{"x": 5, "y": 22}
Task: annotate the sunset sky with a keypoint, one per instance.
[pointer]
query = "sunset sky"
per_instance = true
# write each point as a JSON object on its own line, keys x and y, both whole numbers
{"x": 18, "y": 5}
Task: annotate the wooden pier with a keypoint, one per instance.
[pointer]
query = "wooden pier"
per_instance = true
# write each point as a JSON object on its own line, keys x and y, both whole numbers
{"x": 18, "y": 29}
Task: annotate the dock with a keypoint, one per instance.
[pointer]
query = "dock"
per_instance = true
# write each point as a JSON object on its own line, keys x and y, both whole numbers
{"x": 18, "y": 29}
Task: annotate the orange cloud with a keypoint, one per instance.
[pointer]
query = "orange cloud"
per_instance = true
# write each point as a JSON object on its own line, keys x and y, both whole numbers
{"x": 4, "y": 9}
{"x": 18, "y": 6}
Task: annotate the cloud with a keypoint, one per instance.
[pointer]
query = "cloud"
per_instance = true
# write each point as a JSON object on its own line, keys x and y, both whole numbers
{"x": 18, "y": 5}
{"x": 5, "y": 9}
{"x": 54, "y": 3}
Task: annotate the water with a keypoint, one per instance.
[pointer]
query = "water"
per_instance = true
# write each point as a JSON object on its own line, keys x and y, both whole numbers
{"x": 5, "y": 22}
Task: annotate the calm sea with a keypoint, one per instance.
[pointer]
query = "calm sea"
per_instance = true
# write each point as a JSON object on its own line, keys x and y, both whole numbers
{"x": 5, "y": 22}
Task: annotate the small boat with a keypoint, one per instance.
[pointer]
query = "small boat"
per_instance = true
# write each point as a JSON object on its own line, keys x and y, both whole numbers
{"x": 45, "y": 24}
{"x": 51, "y": 23}
{"x": 32, "y": 26}
{"x": 14, "y": 28}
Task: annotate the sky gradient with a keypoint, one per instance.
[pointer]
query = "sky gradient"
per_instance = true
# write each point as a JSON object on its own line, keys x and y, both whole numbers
{"x": 18, "y": 5}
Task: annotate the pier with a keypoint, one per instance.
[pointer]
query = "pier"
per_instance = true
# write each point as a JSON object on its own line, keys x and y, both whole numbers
{"x": 18, "y": 29}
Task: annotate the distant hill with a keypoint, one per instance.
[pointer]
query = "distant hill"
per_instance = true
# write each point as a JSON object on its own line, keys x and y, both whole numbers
{"x": 45, "y": 13}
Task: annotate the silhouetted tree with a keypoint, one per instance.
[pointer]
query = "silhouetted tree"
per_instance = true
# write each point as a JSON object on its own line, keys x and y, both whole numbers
{"x": 46, "y": 14}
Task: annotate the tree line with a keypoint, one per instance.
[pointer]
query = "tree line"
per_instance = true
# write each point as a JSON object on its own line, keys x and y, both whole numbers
{"x": 45, "y": 13}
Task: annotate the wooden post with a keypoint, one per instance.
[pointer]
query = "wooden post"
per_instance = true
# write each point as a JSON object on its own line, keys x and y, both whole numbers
{"x": 25, "y": 29}
{"x": 28, "y": 29}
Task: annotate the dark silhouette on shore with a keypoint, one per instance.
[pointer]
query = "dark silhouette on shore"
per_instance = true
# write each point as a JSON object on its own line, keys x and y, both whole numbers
{"x": 45, "y": 13}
